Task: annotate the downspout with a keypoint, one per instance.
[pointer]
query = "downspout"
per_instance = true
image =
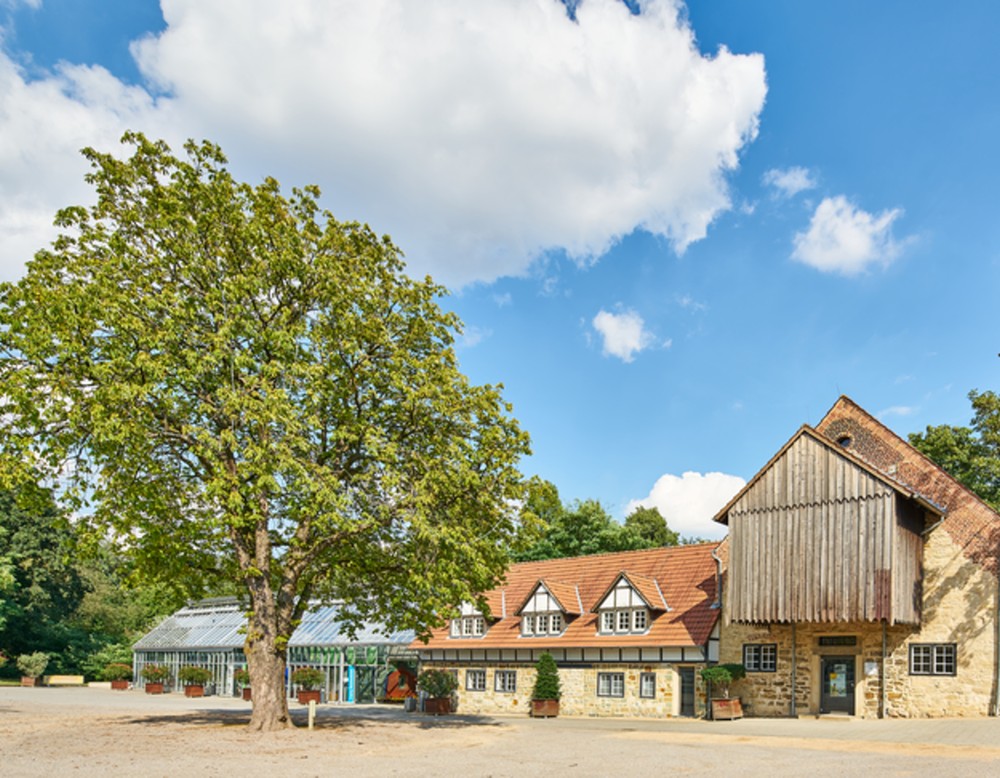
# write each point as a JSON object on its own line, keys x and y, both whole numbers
{"x": 718, "y": 579}
{"x": 793, "y": 712}
{"x": 995, "y": 704}
{"x": 882, "y": 694}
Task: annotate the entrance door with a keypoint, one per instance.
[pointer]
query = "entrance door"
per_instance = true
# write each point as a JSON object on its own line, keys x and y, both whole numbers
{"x": 687, "y": 690}
{"x": 837, "y": 692}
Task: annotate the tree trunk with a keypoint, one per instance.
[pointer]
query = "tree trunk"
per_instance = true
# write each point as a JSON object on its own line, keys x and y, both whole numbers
{"x": 267, "y": 659}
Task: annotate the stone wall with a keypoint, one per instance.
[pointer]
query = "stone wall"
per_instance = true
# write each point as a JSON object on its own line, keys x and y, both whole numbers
{"x": 579, "y": 691}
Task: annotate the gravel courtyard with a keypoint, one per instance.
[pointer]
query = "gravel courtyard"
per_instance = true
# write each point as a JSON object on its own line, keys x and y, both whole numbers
{"x": 97, "y": 732}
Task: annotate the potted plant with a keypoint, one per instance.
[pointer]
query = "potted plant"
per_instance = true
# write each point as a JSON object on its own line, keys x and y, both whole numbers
{"x": 546, "y": 692}
{"x": 155, "y": 676}
{"x": 309, "y": 680}
{"x": 194, "y": 679}
{"x": 720, "y": 676}
{"x": 118, "y": 673}
{"x": 32, "y": 666}
{"x": 242, "y": 678}
{"x": 439, "y": 686}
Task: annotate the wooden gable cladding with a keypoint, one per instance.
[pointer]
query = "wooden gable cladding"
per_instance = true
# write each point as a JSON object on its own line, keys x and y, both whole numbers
{"x": 817, "y": 536}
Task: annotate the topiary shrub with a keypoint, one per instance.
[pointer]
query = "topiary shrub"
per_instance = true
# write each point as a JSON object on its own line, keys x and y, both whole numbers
{"x": 192, "y": 675}
{"x": 242, "y": 676}
{"x": 308, "y": 678}
{"x": 546, "y": 679}
{"x": 33, "y": 665}
{"x": 722, "y": 675}
{"x": 117, "y": 671}
{"x": 155, "y": 673}
{"x": 437, "y": 683}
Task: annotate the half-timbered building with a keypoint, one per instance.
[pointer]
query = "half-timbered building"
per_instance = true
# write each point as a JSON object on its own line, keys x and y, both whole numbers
{"x": 861, "y": 579}
{"x": 628, "y": 632}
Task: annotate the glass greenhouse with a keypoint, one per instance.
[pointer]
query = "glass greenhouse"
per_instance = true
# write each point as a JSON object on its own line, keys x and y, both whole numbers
{"x": 210, "y": 634}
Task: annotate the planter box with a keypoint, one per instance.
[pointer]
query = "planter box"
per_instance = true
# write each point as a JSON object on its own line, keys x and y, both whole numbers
{"x": 308, "y": 695}
{"x": 26, "y": 681}
{"x": 543, "y": 709}
{"x": 437, "y": 706}
{"x": 246, "y": 693}
{"x": 194, "y": 690}
{"x": 120, "y": 684}
{"x": 727, "y": 709}
{"x": 154, "y": 688}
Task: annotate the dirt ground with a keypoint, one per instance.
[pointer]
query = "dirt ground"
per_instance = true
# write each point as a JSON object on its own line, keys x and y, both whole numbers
{"x": 97, "y": 732}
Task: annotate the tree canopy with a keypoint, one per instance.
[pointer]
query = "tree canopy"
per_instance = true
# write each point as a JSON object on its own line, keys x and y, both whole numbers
{"x": 238, "y": 387}
{"x": 970, "y": 454}
{"x": 650, "y": 525}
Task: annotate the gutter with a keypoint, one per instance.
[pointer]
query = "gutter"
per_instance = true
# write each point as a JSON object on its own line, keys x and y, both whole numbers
{"x": 718, "y": 579}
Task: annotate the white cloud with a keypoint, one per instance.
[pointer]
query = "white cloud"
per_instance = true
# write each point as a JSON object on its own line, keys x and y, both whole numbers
{"x": 478, "y": 134}
{"x": 689, "y": 502}
{"x": 791, "y": 181}
{"x": 842, "y": 238}
{"x": 896, "y": 410}
{"x": 624, "y": 334}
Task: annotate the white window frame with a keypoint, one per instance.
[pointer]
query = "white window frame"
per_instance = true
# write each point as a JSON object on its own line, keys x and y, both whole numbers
{"x": 760, "y": 657}
{"x": 475, "y": 680}
{"x": 555, "y": 623}
{"x": 505, "y": 681}
{"x": 934, "y": 659}
{"x": 611, "y": 684}
{"x": 639, "y": 620}
{"x": 647, "y": 686}
{"x": 624, "y": 621}
{"x": 527, "y": 625}
{"x": 468, "y": 627}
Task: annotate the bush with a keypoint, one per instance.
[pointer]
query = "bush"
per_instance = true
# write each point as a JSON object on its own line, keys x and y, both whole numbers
{"x": 723, "y": 675}
{"x": 155, "y": 673}
{"x": 192, "y": 675}
{"x": 93, "y": 664}
{"x": 33, "y": 665}
{"x": 308, "y": 678}
{"x": 242, "y": 676}
{"x": 437, "y": 683}
{"x": 116, "y": 671}
{"x": 546, "y": 679}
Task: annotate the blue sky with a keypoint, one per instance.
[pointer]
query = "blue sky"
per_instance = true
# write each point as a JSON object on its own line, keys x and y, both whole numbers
{"x": 674, "y": 235}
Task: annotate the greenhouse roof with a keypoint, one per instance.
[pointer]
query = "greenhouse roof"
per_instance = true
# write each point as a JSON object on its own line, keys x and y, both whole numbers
{"x": 221, "y": 624}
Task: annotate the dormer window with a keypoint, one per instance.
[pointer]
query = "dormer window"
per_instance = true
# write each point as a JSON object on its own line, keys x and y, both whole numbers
{"x": 624, "y": 621}
{"x": 468, "y": 627}
{"x": 539, "y": 624}
{"x": 544, "y": 612}
{"x": 628, "y": 605}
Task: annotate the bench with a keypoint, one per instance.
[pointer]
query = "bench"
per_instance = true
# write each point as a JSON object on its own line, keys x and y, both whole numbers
{"x": 62, "y": 680}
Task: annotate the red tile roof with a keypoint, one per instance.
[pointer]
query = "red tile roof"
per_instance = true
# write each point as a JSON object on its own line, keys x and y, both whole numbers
{"x": 972, "y": 524}
{"x": 685, "y": 575}
{"x": 567, "y": 595}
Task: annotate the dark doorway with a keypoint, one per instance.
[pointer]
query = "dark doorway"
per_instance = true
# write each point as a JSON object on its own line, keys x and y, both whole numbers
{"x": 837, "y": 684}
{"x": 687, "y": 690}
{"x": 365, "y": 692}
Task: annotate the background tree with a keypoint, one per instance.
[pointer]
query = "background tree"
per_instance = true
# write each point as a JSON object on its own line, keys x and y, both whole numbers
{"x": 245, "y": 389}
{"x": 583, "y": 528}
{"x": 649, "y": 525}
{"x": 970, "y": 454}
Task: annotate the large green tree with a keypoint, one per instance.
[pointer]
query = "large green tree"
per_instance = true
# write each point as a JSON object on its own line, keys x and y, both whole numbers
{"x": 244, "y": 388}
{"x": 649, "y": 524}
{"x": 970, "y": 454}
{"x": 584, "y": 527}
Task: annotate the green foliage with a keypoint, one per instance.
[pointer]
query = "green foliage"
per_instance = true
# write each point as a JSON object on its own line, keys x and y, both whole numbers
{"x": 116, "y": 671}
{"x": 242, "y": 676}
{"x": 308, "y": 677}
{"x": 254, "y": 395}
{"x": 649, "y": 525}
{"x": 969, "y": 454}
{"x": 722, "y": 676}
{"x": 155, "y": 673}
{"x": 546, "y": 679}
{"x": 437, "y": 683}
{"x": 584, "y": 528}
{"x": 34, "y": 664}
{"x": 192, "y": 675}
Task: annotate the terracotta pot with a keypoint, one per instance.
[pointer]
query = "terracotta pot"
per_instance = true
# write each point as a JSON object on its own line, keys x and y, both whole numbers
{"x": 120, "y": 684}
{"x": 246, "y": 693}
{"x": 306, "y": 695}
{"x": 437, "y": 705}
{"x": 194, "y": 690}
{"x": 154, "y": 688}
{"x": 543, "y": 709}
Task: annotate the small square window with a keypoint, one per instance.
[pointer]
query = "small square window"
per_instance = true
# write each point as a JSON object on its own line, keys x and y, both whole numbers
{"x": 933, "y": 659}
{"x": 505, "y": 681}
{"x": 611, "y": 684}
{"x": 647, "y": 685}
{"x": 760, "y": 657}
{"x": 475, "y": 680}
